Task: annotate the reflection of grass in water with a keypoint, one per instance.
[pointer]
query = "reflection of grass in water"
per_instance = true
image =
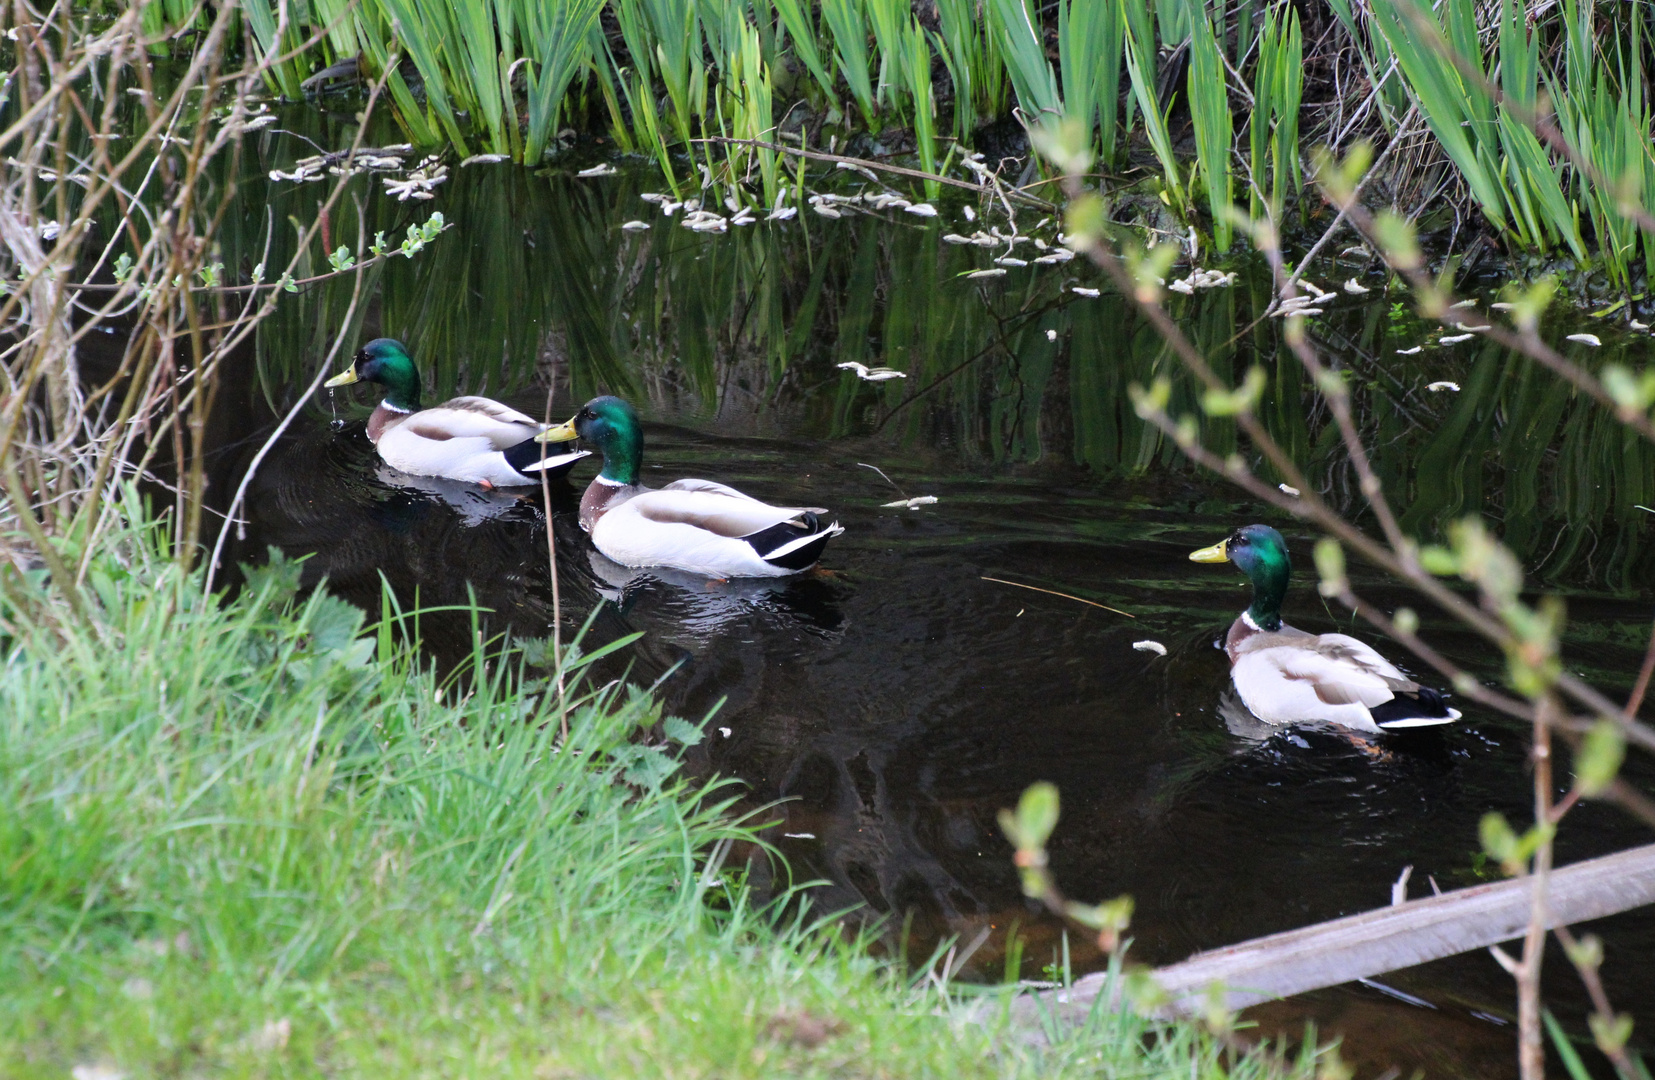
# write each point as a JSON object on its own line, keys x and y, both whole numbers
{"x": 537, "y": 278}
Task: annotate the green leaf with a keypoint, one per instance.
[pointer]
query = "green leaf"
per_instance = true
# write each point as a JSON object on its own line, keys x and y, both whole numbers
{"x": 1330, "y": 564}
{"x": 1396, "y": 240}
{"x": 1586, "y": 952}
{"x": 645, "y": 766}
{"x": 334, "y": 624}
{"x": 1237, "y": 401}
{"x": 1498, "y": 839}
{"x": 1611, "y": 1033}
{"x": 1035, "y": 818}
{"x": 1599, "y": 759}
{"x": 681, "y": 731}
{"x": 1438, "y": 560}
{"x": 1209, "y": 101}
{"x": 1065, "y": 142}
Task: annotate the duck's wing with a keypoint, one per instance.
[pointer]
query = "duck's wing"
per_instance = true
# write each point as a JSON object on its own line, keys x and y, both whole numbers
{"x": 459, "y": 417}
{"x": 1297, "y": 683}
{"x": 1330, "y": 676}
{"x": 1345, "y": 650}
{"x": 713, "y": 488}
{"x": 712, "y": 507}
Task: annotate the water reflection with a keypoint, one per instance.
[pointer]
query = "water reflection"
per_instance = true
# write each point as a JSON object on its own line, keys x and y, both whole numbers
{"x": 897, "y": 704}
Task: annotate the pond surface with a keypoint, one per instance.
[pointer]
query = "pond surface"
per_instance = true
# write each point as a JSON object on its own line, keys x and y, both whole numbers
{"x": 891, "y": 703}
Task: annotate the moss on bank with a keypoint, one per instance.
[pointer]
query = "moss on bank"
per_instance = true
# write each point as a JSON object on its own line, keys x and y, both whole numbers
{"x": 252, "y": 838}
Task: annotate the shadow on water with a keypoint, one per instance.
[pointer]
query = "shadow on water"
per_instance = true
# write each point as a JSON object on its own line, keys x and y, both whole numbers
{"x": 893, "y": 702}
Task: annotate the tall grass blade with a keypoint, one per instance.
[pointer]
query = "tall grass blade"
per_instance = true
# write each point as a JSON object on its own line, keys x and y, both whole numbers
{"x": 1140, "y": 69}
{"x": 1090, "y": 38}
{"x": 555, "y": 33}
{"x": 916, "y": 62}
{"x": 1214, "y": 128}
{"x": 850, "y": 44}
{"x": 803, "y": 37}
{"x": 1031, "y": 74}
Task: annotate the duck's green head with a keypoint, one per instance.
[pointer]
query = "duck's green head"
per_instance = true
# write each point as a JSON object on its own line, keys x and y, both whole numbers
{"x": 609, "y": 424}
{"x": 384, "y": 361}
{"x": 1261, "y": 554}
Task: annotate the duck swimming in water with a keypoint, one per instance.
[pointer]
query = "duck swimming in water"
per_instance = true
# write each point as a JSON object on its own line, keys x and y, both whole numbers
{"x": 694, "y": 525}
{"x": 1287, "y": 676}
{"x": 475, "y": 439}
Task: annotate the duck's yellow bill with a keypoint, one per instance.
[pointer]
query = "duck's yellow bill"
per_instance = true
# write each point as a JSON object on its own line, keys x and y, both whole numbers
{"x": 564, "y": 432}
{"x": 344, "y": 378}
{"x": 1217, "y": 553}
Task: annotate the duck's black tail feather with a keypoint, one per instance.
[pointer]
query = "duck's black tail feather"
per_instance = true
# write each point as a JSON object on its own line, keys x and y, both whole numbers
{"x": 796, "y": 544}
{"x": 525, "y": 458}
{"x": 1424, "y": 707}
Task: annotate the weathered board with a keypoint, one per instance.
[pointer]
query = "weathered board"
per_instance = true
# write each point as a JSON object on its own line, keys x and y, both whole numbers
{"x": 1387, "y": 939}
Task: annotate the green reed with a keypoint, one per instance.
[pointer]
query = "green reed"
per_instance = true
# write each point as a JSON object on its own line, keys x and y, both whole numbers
{"x": 1209, "y": 101}
{"x": 1140, "y": 69}
{"x": 1025, "y": 56}
{"x": 1278, "y": 86}
{"x": 1090, "y": 37}
{"x": 971, "y": 51}
{"x": 487, "y": 66}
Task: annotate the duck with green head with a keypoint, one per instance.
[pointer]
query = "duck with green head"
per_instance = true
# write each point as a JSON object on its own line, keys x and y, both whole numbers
{"x": 474, "y": 439}
{"x": 693, "y": 525}
{"x": 1287, "y": 676}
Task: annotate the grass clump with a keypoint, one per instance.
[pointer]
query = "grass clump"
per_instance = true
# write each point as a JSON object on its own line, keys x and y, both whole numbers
{"x": 252, "y": 837}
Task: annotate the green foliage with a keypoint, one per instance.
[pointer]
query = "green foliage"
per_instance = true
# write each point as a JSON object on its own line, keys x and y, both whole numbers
{"x": 850, "y": 41}
{"x": 1511, "y": 851}
{"x": 1214, "y": 128}
{"x": 1025, "y": 55}
{"x": 1599, "y": 760}
{"x": 1031, "y": 824}
{"x": 498, "y": 72}
{"x": 1090, "y": 37}
{"x": 1140, "y": 70}
{"x": 971, "y": 50}
{"x": 1330, "y": 567}
{"x": 1566, "y": 1052}
{"x": 1278, "y": 85}
{"x": 261, "y": 836}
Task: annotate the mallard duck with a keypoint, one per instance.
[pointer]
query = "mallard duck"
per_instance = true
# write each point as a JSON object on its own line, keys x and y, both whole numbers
{"x": 1286, "y": 676}
{"x": 694, "y": 525}
{"x": 474, "y": 439}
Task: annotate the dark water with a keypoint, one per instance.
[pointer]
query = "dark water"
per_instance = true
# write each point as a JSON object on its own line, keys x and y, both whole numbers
{"x": 893, "y": 702}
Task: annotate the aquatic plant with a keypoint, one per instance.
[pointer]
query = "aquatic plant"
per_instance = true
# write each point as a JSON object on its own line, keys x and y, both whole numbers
{"x": 505, "y": 75}
{"x": 1273, "y": 129}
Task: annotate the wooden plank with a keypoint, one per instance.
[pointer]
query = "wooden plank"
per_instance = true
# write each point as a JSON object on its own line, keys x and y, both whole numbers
{"x": 1387, "y": 939}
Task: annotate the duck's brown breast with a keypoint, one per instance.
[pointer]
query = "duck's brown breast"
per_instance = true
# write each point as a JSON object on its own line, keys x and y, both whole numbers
{"x": 600, "y": 498}
{"x": 384, "y": 419}
{"x": 1240, "y": 631}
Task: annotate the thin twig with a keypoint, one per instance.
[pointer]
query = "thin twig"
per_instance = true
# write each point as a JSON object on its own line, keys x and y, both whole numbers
{"x": 1054, "y": 592}
{"x": 551, "y": 561}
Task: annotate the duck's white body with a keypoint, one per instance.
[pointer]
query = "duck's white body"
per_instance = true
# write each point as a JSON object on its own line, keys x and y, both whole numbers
{"x": 1288, "y": 676}
{"x": 464, "y": 438}
{"x": 703, "y": 527}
